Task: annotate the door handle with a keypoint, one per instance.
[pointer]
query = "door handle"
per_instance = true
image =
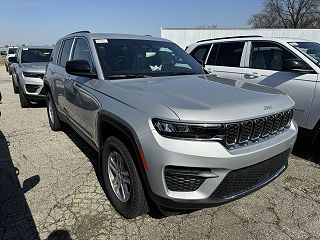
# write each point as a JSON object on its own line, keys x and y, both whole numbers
{"x": 252, "y": 75}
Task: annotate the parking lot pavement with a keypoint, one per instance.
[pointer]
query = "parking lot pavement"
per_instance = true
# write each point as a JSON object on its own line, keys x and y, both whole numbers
{"x": 49, "y": 189}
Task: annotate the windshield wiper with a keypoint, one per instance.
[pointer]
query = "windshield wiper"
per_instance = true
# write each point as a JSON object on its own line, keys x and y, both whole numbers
{"x": 123, "y": 76}
{"x": 181, "y": 73}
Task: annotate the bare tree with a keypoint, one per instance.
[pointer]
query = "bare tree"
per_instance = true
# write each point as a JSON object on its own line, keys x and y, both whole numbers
{"x": 287, "y": 14}
{"x": 212, "y": 26}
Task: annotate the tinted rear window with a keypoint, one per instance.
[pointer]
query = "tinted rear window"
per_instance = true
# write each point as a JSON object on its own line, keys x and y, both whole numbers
{"x": 229, "y": 54}
{"x": 200, "y": 53}
{"x": 65, "y": 52}
{"x": 55, "y": 53}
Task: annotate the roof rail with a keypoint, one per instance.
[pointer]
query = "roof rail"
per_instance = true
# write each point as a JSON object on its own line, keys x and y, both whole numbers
{"x": 211, "y": 39}
{"x": 79, "y": 32}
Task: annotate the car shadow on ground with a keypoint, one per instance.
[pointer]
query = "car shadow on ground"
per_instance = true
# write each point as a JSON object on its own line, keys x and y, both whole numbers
{"x": 304, "y": 149}
{"x": 93, "y": 157}
{"x": 16, "y": 221}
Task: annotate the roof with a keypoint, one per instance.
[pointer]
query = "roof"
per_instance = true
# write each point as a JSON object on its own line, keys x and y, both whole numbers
{"x": 251, "y": 29}
{"x": 38, "y": 47}
{"x": 114, "y": 36}
{"x": 243, "y": 38}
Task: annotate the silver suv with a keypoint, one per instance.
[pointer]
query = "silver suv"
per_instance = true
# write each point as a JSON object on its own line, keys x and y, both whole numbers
{"x": 28, "y": 71}
{"x": 288, "y": 64}
{"x": 166, "y": 132}
{"x": 11, "y": 52}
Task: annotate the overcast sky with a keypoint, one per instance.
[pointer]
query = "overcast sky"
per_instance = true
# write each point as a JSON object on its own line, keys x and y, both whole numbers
{"x": 44, "y": 21}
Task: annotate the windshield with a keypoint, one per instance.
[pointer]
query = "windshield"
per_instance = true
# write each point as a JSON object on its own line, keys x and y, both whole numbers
{"x": 309, "y": 49}
{"x": 123, "y": 58}
{"x": 30, "y": 55}
{"x": 12, "y": 50}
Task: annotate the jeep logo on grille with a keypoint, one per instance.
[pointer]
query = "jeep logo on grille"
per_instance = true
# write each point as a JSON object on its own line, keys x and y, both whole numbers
{"x": 269, "y": 107}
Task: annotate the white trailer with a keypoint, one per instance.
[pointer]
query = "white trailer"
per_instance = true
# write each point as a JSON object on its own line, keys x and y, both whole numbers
{"x": 185, "y": 36}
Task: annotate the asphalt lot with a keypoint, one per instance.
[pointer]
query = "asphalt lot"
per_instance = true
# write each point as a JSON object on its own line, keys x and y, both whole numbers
{"x": 49, "y": 189}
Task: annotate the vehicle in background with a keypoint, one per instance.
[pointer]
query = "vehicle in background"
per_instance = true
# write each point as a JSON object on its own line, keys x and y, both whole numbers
{"x": 27, "y": 75}
{"x": 11, "y": 52}
{"x": 288, "y": 64}
{"x": 166, "y": 132}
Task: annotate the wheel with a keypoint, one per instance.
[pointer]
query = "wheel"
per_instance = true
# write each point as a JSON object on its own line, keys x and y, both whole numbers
{"x": 24, "y": 102}
{"x": 122, "y": 182}
{"x": 15, "y": 88}
{"x": 54, "y": 120}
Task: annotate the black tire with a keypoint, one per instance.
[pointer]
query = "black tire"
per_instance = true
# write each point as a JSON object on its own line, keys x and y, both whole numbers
{"x": 54, "y": 121}
{"x": 15, "y": 88}
{"x": 24, "y": 102}
{"x": 136, "y": 204}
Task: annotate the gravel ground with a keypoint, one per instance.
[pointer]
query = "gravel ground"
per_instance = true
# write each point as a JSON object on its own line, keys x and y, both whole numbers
{"x": 49, "y": 189}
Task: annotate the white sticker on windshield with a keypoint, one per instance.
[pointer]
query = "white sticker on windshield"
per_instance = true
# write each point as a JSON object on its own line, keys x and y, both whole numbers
{"x": 101, "y": 41}
{"x": 294, "y": 44}
{"x": 25, "y": 49}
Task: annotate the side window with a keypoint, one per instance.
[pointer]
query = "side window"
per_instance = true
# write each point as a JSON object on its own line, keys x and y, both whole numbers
{"x": 64, "y": 56}
{"x": 82, "y": 51}
{"x": 268, "y": 55}
{"x": 55, "y": 53}
{"x": 229, "y": 54}
{"x": 200, "y": 52}
{"x": 213, "y": 55}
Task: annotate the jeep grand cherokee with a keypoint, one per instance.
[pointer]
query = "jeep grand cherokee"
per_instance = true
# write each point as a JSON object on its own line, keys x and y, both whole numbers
{"x": 166, "y": 132}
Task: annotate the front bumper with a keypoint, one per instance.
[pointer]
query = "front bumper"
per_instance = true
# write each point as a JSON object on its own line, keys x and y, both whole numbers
{"x": 162, "y": 152}
{"x": 33, "y": 88}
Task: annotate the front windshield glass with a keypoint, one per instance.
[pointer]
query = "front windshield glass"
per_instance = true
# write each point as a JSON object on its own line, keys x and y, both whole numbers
{"x": 30, "y": 55}
{"x": 12, "y": 50}
{"x": 125, "y": 58}
{"x": 309, "y": 49}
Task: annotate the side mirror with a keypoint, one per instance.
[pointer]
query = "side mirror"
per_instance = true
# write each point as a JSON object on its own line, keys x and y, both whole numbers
{"x": 13, "y": 59}
{"x": 296, "y": 65}
{"x": 80, "y": 68}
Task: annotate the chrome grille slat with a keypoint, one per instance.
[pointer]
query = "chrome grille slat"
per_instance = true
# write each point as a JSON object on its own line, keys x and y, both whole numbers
{"x": 253, "y": 130}
{"x": 277, "y": 123}
{"x": 245, "y": 131}
{"x": 257, "y": 129}
{"x": 232, "y": 133}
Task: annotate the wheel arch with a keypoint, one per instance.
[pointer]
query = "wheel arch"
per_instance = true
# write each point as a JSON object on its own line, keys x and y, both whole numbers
{"x": 108, "y": 125}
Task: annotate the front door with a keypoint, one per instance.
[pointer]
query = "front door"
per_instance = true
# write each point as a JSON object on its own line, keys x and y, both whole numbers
{"x": 78, "y": 92}
{"x": 265, "y": 67}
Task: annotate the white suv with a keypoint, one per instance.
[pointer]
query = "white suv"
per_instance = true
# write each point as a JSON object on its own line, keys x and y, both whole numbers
{"x": 290, "y": 65}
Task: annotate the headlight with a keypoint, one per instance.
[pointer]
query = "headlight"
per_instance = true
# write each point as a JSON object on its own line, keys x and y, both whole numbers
{"x": 188, "y": 131}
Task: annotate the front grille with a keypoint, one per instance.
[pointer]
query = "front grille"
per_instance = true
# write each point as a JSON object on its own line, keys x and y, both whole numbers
{"x": 253, "y": 130}
{"x": 32, "y": 88}
{"x": 182, "y": 181}
{"x": 245, "y": 179}
{"x": 33, "y": 75}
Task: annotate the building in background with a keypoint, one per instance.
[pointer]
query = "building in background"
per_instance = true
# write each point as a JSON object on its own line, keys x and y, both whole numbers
{"x": 185, "y": 36}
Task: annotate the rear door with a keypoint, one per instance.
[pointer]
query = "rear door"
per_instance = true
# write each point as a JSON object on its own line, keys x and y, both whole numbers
{"x": 264, "y": 66}
{"x": 225, "y": 60}
{"x": 60, "y": 74}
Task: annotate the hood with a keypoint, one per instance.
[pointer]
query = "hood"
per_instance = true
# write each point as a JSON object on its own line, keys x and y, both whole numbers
{"x": 38, "y": 67}
{"x": 205, "y": 98}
